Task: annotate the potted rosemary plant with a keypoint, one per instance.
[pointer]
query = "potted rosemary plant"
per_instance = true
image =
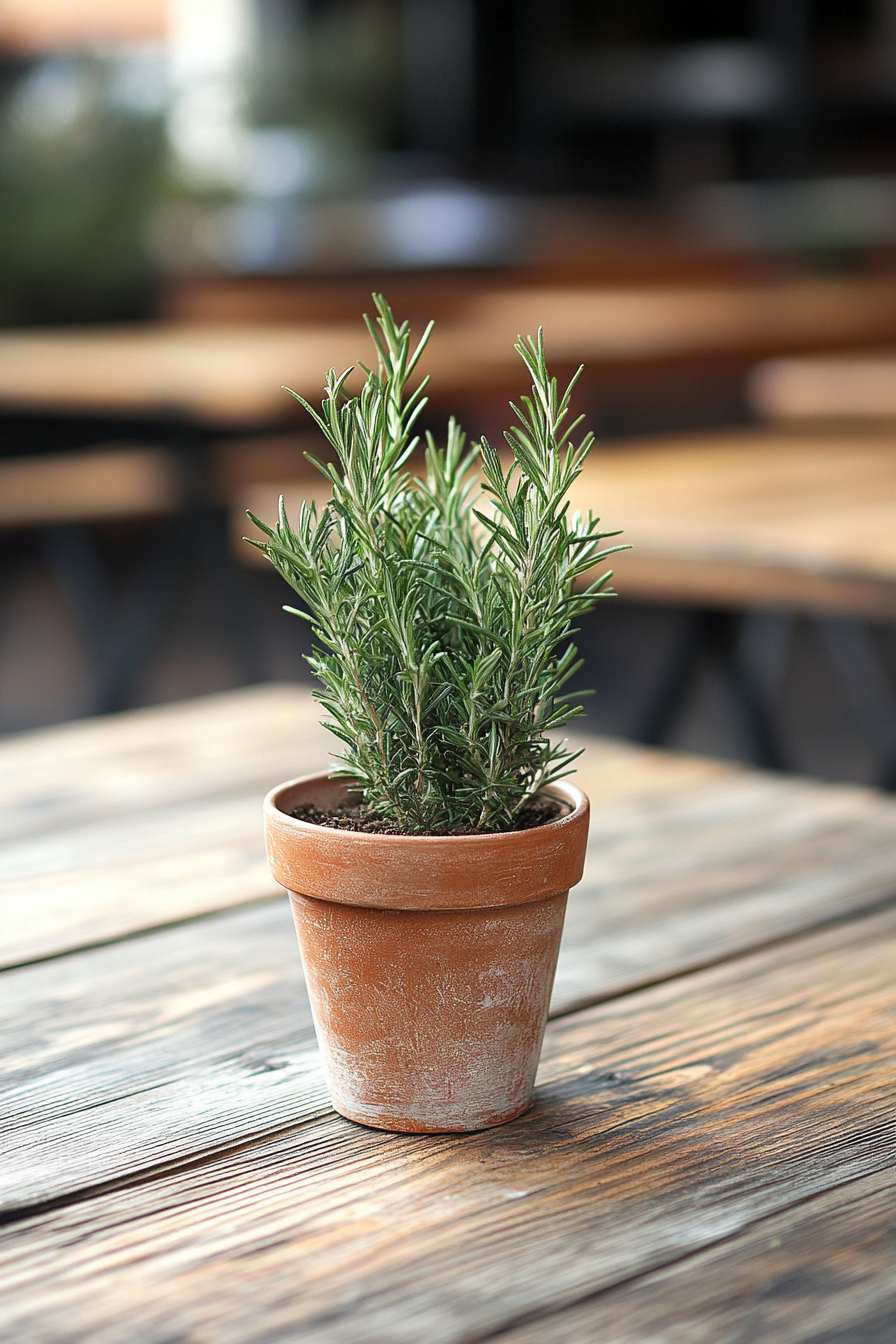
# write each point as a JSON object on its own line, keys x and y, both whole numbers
{"x": 429, "y": 872}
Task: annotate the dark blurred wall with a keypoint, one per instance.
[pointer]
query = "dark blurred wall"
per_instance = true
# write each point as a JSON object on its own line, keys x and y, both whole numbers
{"x": 347, "y": 99}
{"x": 647, "y": 95}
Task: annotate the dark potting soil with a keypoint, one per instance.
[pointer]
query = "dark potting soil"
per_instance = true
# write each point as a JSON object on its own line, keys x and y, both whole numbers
{"x": 358, "y": 817}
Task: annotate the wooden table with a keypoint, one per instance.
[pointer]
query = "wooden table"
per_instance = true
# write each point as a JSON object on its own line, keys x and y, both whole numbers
{"x": 710, "y": 1155}
{"x": 770, "y": 517}
{"x": 787, "y": 521}
{"x": 232, "y": 374}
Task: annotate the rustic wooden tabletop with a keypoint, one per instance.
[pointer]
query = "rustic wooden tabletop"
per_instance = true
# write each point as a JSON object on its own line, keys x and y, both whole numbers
{"x": 710, "y": 1155}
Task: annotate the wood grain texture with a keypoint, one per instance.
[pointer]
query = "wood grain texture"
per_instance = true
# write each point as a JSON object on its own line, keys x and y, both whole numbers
{"x": 823, "y": 1271}
{"x": 112, "y": 1055}
{"x": 122, "y": 1058}
{"x": 666, "y": 1121}
{"x": 95, "y": 883}
{"x": 697, "y": 875}
{"x": 93, "y": 769}
{"x": 115, "y": 825}
{"x": 96, "y": 769}
{"x": 110, "y": 1021}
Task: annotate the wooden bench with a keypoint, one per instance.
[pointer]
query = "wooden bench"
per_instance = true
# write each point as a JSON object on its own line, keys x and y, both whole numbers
{"x": 859, "y": 387}
{"x": 61, "y": 498}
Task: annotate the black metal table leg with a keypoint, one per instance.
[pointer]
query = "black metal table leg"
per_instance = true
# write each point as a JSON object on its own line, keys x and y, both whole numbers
{"x": 712, "y": 636}
{"x": 120, "y": 635}
{"x": 206, "y": 530}
{"x": 668, "y": 700}
{"x": 869, "y": 688}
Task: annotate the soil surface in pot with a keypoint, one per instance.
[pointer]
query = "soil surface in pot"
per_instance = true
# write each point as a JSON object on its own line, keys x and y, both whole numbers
{"x": 358, "y": 817}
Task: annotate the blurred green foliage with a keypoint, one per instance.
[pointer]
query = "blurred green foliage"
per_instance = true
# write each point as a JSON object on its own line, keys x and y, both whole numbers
{"x": 78, "y": 177}
{"x": 87, "y": 169}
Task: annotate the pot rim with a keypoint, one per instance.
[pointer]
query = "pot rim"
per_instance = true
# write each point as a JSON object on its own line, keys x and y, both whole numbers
{"x": 423, "y": 872}
{"x": 561, "y": 788}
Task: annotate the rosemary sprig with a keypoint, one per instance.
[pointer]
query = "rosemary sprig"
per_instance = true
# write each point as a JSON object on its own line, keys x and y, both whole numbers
{"x": 443, "y": 605}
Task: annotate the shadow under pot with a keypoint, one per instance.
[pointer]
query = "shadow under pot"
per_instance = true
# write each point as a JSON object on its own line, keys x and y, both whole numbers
{"x": 429, "y": 959}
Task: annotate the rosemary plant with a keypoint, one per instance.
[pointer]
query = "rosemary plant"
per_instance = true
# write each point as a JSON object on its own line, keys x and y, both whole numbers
{"x": 443, "y": 605}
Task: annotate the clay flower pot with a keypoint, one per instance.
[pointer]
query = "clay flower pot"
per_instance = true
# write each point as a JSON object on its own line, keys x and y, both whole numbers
{"x": 429, "y": 959}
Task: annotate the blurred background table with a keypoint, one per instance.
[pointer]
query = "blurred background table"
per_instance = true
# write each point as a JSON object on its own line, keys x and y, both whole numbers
{"x": 677, "y": 195}
{"x": 764, "y": 517}
{"x": 205, "y": 406}
{"x": 752, "y": 528}
{"x": 713, "y": 1115}
{"x": 233, "y": 374}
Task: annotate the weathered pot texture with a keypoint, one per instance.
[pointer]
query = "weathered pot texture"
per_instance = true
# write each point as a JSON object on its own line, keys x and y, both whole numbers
{"x": 429, "y": 959}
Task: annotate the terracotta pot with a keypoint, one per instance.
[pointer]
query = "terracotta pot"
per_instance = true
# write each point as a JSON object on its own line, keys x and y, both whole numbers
{"x": 429, "y": 959}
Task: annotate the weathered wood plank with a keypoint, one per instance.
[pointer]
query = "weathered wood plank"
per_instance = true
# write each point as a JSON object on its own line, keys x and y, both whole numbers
{"x": 119, "y": 1020}
{"x": 713, "y": 871}
{"x": 665, "y": 1121}
{"x": 213, "y": 1009}
{"x": 823, "y": 1271}
{"x": 95, "y": 770}
{"x": 128, "y": 1056}
{"x": 96, "y": 883}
